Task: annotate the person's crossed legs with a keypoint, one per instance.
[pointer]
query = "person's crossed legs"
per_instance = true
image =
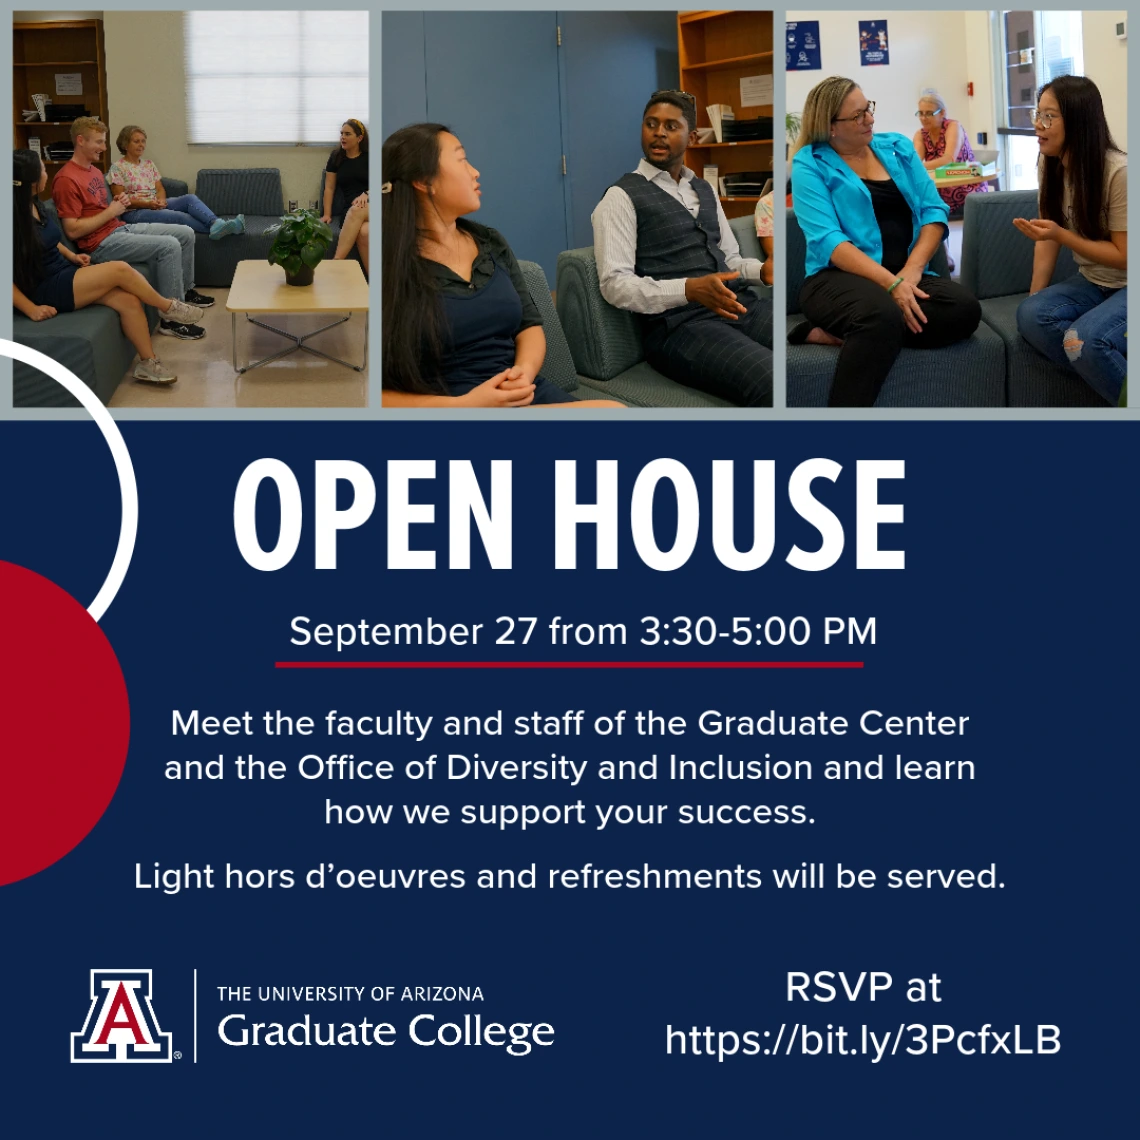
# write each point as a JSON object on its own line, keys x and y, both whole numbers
{"x": 166, "y": 247}
{"x": 185, "y": 237}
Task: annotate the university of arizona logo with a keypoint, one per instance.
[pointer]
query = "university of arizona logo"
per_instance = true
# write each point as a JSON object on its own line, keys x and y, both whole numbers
{"x": 120, "y": 1025}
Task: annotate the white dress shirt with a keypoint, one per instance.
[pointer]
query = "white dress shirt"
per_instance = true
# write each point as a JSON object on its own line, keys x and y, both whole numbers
{"x": 615, "y": 246}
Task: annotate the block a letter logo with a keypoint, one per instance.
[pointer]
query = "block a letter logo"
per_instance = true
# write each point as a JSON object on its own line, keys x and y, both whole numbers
{"x": 120, "y": 1025}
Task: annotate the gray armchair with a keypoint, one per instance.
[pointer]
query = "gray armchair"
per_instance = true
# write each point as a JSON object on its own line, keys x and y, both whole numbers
{"x": 606, "y": 343}
{"x": 997, "y": 267}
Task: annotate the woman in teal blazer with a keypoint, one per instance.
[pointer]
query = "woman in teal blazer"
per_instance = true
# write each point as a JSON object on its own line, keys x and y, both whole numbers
{"x": 872, "y": 220}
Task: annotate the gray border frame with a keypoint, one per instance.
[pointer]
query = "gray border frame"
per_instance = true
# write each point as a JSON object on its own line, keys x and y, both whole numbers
{"x": 374, "y": 412}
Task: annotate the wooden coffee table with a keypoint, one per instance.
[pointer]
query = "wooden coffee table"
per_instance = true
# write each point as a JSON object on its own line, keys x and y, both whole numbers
{"x": 258, "y": 287}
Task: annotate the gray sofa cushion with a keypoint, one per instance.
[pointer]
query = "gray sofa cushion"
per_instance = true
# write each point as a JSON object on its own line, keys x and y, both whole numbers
{"x": 256, "y": 193}
{"x": 744, "y": 229}
{"x": 175, "y": 187}
{"x": 215, "y": 262}
{"x": 559, "y": 364}
{"x": 89, "y": 342}
{"x": 1033, "y": 380}
{"x": 642, "y": 386}
{"x": 970, "y": 374}
{"x": 253, "y": 191}
{"x": 605, "y": 341}
{"x": 997, "y": 259}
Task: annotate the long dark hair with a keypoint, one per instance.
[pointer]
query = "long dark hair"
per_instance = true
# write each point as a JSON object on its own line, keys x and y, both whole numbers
{"x": 27, "y": 255}
{"x": 1087, "y": 141}
{"x": 336, "y": 157}
{"x": 410, "y": 309}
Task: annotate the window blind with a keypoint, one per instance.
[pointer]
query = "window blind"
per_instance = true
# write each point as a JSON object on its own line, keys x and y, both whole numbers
{"x": 277, "y": 78}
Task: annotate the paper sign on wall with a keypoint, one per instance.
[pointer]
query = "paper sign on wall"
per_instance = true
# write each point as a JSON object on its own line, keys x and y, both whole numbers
{"x": 69, "y": 83}
{"x": 873, "y": 48}
{"x": 756, "y": 91}
{"x": 802, "y": 45}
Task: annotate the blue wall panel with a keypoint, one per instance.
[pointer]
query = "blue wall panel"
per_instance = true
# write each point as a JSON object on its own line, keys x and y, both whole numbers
{"x": 403, "y": 74}
{"x": 612, "y": 63}
{"x": 493, "y": 78}
{"x": 519, "y": 103}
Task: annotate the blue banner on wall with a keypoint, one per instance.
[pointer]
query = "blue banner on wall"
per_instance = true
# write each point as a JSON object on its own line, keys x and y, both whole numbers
{"x": 873, "y": 48}
{"x": 803, "y": 46}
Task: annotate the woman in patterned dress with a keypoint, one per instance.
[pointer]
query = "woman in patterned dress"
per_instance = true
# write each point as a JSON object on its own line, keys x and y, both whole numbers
{"x": 940, "y": 140}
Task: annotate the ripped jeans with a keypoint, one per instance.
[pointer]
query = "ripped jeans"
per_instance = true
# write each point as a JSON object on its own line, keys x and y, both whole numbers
{"x": 1081, "y": 325}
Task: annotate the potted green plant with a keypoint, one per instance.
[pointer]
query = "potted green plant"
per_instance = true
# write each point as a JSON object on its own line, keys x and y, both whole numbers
{"x": 300, "y": 240}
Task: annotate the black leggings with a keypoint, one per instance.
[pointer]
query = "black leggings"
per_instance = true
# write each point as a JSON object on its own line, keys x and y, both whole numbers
{"x": 873, "y": 330}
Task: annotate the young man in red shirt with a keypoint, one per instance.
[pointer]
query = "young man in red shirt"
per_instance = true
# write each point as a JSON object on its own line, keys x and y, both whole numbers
{"x": 91, "y": 219}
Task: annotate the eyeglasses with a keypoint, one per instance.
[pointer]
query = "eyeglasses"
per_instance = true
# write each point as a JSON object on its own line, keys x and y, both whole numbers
{"x": 670, "y": 91}
{"x": 1044, "y": 119}
{"x": 927, "y": 114}
{"x": 859, "y": 116}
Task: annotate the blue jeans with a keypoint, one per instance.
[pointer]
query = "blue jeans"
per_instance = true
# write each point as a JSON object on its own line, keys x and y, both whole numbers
{"x": 186, "y": 210}
{"x": 1082, "y": 325}
{"x": 171, "y": 248}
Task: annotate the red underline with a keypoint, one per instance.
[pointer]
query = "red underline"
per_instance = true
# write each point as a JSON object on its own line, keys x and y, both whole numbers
{"x": 568, "y": 664}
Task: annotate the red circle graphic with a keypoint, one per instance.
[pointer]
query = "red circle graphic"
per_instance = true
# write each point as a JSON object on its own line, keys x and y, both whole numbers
{"x": 64, "y": 722}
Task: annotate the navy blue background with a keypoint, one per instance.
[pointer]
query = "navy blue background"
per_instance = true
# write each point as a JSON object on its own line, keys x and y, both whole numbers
{"x": 1013, "y": 609}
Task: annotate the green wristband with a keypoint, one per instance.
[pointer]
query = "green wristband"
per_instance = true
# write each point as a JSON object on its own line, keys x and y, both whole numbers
{"x": 891, "y": 287}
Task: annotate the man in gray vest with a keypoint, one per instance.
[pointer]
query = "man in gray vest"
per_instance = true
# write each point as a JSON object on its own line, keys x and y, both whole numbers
{"x": 665, "y": 251}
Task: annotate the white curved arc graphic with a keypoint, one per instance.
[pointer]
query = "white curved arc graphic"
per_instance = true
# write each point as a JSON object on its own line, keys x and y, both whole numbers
{"x": 128, "y": 489}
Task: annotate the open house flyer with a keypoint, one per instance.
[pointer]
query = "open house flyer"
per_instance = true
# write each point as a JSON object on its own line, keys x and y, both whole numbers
{"x": 651, "y": 778}
{"x": 571, "y": 777}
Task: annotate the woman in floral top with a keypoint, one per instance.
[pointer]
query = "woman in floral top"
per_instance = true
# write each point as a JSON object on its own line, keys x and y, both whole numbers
{"x": 139, "y": 178}
{"x": 765, "y": 220}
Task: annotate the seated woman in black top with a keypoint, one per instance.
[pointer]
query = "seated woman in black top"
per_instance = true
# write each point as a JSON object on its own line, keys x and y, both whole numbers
{"x": 48, "y": 279}
{"x": 872, "y": 220}
{"x": 347, "y": 171}
{"x": 460, "y": 327}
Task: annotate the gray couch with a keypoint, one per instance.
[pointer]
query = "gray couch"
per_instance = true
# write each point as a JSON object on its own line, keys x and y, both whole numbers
{"x": 997, "y": 265}
{"x": 559, "y": 364}
{"x": 968, "y": 374}
{"x": 256, "y": 193}
{"x": 606, "y": 342}
{"x": 89, "y": 342}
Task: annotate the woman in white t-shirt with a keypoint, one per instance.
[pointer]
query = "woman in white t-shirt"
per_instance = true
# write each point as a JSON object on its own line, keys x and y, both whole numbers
{"x": 140, "y": 180}
{"x": 1083, "y": 204}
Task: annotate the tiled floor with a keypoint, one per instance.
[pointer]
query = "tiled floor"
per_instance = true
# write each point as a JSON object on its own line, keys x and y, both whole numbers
{"x": 206, "y": 377}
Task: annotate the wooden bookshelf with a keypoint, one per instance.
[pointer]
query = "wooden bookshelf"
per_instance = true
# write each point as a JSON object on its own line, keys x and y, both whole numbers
{"x": 40, "y": 51}
{"x": 719, "y": 49}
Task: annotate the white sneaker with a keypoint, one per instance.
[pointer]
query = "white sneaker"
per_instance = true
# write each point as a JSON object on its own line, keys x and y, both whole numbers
{"x": 180, "y": 313}
{"x": 154, "y": 372}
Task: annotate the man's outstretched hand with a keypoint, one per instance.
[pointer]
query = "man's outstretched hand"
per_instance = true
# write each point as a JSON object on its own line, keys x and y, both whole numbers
{"x": 713, "y": 293}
